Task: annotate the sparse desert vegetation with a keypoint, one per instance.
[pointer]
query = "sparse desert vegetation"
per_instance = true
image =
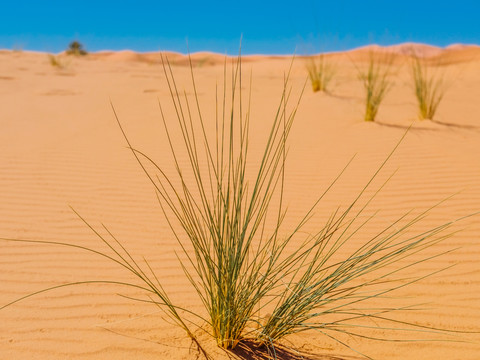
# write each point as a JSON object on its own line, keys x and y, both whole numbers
{"x": 376, "y": 82}
{"x": 321, "y": 72}
{"x": 257, "y": 280}
{"x": 429, "y": 88}
{"x": 57, "y": 61}
{"x": 76, "y": 48}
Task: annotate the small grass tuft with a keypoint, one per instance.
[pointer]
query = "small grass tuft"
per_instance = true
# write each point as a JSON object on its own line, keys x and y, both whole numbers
{"x": 17, "y": 48}
{"x": 321, "y": 72}
{"x": 429, "y": 88}
{"x": 57, "y": 62}
{"x": 376, "y": 83}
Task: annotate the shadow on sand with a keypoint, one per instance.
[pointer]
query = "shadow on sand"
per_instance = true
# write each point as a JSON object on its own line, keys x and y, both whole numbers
{"x": 251, "y": 351}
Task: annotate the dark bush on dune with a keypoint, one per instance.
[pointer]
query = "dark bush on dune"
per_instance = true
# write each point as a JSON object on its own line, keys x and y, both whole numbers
{"x": 76, "y": 48}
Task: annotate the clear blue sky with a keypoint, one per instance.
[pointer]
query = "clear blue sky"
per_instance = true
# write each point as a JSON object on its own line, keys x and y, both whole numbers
{"x": 268, "y": 27}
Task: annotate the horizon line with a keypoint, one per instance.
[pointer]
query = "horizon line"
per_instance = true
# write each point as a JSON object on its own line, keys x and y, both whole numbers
{"x": 406, "y": 43}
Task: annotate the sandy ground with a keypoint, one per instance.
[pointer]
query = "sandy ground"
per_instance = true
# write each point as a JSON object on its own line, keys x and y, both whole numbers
{"x": 60, "y": 147}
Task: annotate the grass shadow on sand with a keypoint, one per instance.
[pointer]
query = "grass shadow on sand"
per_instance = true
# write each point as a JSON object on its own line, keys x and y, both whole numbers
{"x": 247, "y": 350}
{"x": 417, "y": 126}
{"x": 461, "y": 126}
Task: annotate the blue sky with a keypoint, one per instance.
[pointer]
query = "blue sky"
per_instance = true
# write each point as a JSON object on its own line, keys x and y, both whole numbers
{"x": 267, "y": 27}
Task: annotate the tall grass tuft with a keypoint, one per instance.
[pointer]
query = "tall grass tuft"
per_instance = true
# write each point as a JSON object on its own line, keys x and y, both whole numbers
{"x": 376, "y": 83}
{"x": 320, "y": 73}
{"x": 235, "y": 263}
{"x": 240, "y": 260}
{"x": 429, "y": 89}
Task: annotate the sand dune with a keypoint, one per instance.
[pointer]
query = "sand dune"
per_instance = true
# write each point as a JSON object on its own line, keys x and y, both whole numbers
{"x": 421, "y": 50}
{"x": 60, "y": 146}
{"x": 453, "y": 54}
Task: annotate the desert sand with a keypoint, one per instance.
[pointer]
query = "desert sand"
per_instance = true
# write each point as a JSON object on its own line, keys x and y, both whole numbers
{"x": 60, "y": 146}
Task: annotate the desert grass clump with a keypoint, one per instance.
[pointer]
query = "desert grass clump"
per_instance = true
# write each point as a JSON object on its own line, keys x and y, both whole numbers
{"x": 239, "y": 258}
{"x": 57, "y": 62}
{"x": 320, "y": 72}
{"x": 429, "y": 88}
{"x": 76, "y": 48}
{"x": 376, "y": 83}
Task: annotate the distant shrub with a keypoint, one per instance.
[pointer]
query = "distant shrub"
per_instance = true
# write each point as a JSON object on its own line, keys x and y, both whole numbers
{"x": 76, "y": 48}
